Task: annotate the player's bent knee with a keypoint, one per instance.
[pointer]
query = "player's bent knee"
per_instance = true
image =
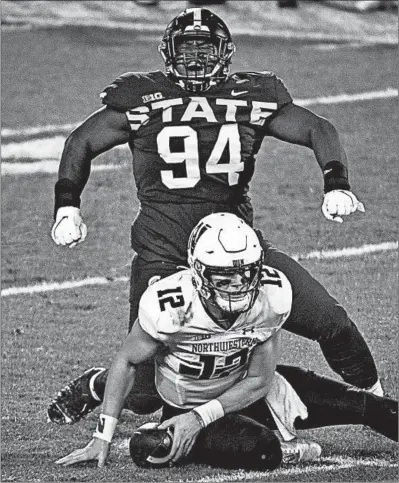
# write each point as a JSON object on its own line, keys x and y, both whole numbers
{"x": 266, "y": 455}
{"x": 239, "y": 442}
{"x": 337, "y": 325}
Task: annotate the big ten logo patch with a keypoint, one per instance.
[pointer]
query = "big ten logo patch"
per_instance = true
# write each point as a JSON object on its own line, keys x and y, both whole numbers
{"x": 152, "y": 97}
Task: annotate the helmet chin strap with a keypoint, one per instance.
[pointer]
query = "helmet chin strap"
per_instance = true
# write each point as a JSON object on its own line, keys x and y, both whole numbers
{"x": 232, "y": 306}
{"x": 222, "y": 318}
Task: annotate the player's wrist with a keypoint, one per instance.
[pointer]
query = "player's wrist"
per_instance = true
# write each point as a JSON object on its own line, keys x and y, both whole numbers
{"x": 105, "y": 428}
{"x": 335, "y": 176}
{"x": 198, "y": 418}
{"x": 209, "y": 412}
{"x": 67, "y": 193}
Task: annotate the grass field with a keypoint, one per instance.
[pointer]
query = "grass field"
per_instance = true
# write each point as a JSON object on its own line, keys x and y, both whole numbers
{"x": 53, "y": 77}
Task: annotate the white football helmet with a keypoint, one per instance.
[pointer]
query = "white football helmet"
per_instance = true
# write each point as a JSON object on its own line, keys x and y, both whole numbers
{"x": 223, "y": 245}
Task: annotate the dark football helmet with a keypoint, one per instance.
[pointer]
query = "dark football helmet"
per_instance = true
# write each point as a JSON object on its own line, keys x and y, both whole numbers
{"x": 197, "y": 48}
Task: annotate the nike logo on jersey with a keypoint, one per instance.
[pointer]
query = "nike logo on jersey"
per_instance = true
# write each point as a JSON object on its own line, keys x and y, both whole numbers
{"x": 238, "y": 93}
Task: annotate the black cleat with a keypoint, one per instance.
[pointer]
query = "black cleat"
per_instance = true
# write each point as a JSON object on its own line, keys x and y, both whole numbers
{"x": 75, "y": 400}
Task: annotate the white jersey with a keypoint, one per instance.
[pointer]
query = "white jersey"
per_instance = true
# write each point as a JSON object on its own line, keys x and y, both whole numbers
{"x": 201, "y": 360}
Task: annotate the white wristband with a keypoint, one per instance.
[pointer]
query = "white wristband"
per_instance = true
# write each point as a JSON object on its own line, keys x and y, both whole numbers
{"x": 105, "y": 427}
{"x": 210, "y": 411}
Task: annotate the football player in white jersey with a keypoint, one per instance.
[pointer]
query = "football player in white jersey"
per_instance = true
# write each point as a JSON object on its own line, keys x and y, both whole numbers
{"x": 214, "y": 332}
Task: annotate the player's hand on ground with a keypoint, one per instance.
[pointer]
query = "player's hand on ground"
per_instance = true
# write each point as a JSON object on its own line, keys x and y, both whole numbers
{"x": 97, "y": 449}
{"x": 185, "y": 431}
{"x": 339, "y": 203}
{"x": 69, "y": 228}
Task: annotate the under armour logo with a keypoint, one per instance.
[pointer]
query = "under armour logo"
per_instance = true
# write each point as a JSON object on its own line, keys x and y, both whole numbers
{"x": 251, "y": 330}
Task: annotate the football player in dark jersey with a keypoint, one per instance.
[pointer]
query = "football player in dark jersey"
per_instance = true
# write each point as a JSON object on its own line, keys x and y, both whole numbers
{"x": 194, "y": 132}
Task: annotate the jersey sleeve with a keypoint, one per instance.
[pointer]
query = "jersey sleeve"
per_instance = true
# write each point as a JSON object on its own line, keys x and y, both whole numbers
{"x": 121, "y": 94}
{"x": 130, "y": 89}
{"x": 149, "y": 314}
{"x": 160, "y": 324}
{"x": 280, "y": 297}
{"x": 282, "y": 95}
{"x": 275, "y": 89}
{"x": 281, "y": 301}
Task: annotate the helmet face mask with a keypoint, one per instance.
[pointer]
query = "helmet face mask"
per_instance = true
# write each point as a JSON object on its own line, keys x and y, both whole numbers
{"x": 233, "y": 291}
{"x": 225, "y": 258}
{"x": 197, "y": 48}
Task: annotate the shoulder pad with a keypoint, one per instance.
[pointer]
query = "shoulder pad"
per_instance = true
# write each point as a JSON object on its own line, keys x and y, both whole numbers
{"x": 166, "y": 305}
{"x": 278, "y": 289}
{"x": 271, "y": 85}
{"x": 127, "y": 91}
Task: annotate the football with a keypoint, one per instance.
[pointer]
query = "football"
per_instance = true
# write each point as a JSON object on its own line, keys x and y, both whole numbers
{"x": 149, "y": 446}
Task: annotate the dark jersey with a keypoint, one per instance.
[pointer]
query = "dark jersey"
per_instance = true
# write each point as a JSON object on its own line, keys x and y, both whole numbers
{"x": 193, "y": 154}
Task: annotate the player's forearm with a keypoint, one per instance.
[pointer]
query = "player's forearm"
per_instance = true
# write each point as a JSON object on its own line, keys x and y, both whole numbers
{"x": 76, "y": 159}
{"x": 119, "y": 383}
{"x": 255, "y": 385}
{"x": 326, "y": 145}
{"x": 245, "y": 393}
{"x": 74, "y": 171}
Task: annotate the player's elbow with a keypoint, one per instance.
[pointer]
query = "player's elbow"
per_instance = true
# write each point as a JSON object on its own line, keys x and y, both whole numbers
{"x": 78, "y": 144}
{"x": 259, "y": 386}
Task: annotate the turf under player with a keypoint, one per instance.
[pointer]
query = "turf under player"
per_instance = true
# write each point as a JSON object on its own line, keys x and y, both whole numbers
{"x": 194, "y": 132}
{"x": 214, "y": 332}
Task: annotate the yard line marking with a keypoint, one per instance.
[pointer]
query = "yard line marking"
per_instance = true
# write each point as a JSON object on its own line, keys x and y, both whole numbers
{"x": 334, "y": 463}
{"x": 43, "y": 149}
{"x": 32, "y": 131}
{"x": 51, "y": 287}
{"x": 318, "y": 255}
{"x": 348, "y": 252}
{"x": 337, "y": 99}
{"x": 341, "y": 98}
{"x": 322, "y": 466}
{"x": 49, "y": 166}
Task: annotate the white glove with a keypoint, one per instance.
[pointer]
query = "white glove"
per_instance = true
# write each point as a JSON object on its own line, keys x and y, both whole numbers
{"x": 68, "y": 228}
{"x": 338, "y": 203}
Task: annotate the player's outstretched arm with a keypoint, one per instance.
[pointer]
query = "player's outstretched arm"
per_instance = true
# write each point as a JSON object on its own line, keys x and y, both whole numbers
{"x": 138, "y": 347}
{"x": 100, "y": 132}
{"x": 96, "y": 450}
{"x": 297, "y": 125}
